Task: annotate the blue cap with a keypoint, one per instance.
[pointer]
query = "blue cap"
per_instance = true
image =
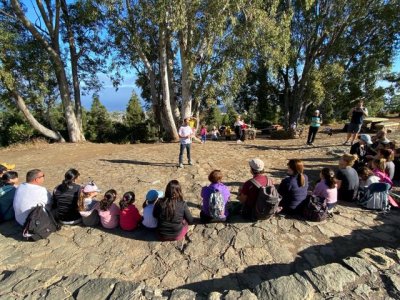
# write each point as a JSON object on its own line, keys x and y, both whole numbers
{"x": 153, "y": 195}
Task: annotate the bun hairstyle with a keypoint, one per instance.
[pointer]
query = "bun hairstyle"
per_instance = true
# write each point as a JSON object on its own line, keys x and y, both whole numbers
{"x": 297, "y": 166}
{"x": 109, "y": 198}
{"x": 329, "y": 177}
{"x": 349, "y": 159}
{"x": 127, "y": 199}
{"x": 70, "y": 176}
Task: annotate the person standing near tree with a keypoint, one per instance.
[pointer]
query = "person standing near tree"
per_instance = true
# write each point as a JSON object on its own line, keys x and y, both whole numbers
{"x": 185, "y": 134}
{"x": 357, "y": 115}
{"x": 316, "y": 121}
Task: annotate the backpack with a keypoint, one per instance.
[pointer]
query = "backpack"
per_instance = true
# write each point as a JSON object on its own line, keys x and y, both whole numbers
{"x": 315, "y": 209}
{"x": 266, "y": 204}
{"x": 39, "y": 224}
{"x": 216, "y": 205}
{"x": 376, "y": 196}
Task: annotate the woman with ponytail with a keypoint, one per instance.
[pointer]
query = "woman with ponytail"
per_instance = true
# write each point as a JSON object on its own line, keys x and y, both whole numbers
{"x": 293, "y": 188}
{"x": 65, "y": 199}
{"x": 326, "y": 188}
{"x": 347, "y": 178}
{"x": 172, "y": 214}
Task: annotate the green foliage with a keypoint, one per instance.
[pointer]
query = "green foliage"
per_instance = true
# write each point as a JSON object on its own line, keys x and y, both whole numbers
{"x": 213, "y": 117}
{"x": 19, "y": 133}
{"x": 134, "y": 112}
{"x": 99, "y": 125}
{"x": 13, "y": 128}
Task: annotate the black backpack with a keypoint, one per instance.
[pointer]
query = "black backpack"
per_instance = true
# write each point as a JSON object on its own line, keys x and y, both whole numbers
{"x": 267, "y": 201}
{"x": 316, "y": 209}
{"x": 39, "y": 224}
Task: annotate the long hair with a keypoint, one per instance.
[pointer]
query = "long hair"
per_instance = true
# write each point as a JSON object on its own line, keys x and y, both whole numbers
{"x": 297, "y": 166}
{"x": 7, "y": 176}
{"x": 173, "y": 193}
{"x": 70, "y": 176}
{"x": 127, "y": 199}
{"x": 380, "y": 164}
{"x": 109, "y": 198}
{"x": 329, "y": 177}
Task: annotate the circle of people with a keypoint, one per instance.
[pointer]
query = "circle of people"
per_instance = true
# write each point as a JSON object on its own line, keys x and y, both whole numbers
{"x": 167, "y": 212}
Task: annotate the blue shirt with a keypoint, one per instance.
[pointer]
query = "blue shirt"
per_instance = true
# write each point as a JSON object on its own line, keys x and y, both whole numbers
{"x": 292, "y": 194}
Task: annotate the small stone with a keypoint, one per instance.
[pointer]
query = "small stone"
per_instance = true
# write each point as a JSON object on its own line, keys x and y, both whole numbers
{"x": 214, "y": 296}
{"x": 126, "y": 290}
{"x": 360, "y": 266}
{"x": 182, "y": 294}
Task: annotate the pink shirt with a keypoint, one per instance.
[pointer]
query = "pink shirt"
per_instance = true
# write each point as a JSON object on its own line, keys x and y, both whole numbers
{"x": 322, "y": 190}
{"x": 129, "y": 218}
{"x": 382, "y": 176}
{"x": 109, "y": 218}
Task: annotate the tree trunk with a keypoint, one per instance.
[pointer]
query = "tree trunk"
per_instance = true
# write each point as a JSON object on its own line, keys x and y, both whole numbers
{"x": 173, "y": 100}
{"x": 186, "y": 109}
{"x": 169, "y": 123}
{"x": 34, "y": 123}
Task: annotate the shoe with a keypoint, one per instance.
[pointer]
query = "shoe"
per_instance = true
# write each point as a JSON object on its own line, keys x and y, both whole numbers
{"x": 180, "y": 166}
{"x": 190, "y": 163}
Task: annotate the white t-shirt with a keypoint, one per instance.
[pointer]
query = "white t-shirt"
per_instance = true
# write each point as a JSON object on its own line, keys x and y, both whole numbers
{"x": 148, "y": 220}
{"x": 28, "y": 196}
{"x": 185, "y": 131}
{"x": 371, "y": 179}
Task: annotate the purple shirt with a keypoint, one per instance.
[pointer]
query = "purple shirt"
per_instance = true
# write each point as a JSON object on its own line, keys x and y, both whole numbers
{"x": 322, "y": 190}
{"x": 206, "y": 192}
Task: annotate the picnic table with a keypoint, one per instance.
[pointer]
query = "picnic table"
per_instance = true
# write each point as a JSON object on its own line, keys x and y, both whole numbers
{"x": 372, "y": 122}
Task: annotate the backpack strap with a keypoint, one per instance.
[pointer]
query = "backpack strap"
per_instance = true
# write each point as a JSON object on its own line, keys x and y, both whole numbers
{"x": 255, "y": 182}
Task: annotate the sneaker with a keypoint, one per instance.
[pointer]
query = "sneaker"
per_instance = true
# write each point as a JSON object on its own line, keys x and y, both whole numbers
{"x": 180, "y": 166}
{"x": 190, "y": 163}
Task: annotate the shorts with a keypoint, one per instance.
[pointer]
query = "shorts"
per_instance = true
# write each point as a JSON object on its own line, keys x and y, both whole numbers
{"x": 354, "y": 128}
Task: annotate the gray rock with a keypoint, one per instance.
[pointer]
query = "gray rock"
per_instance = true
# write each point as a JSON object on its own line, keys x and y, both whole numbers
{"x": 378, "y": 259}
{"x": 331, "y": 278}
{"x": 97, "y": 289}
{"x": 360, "y": 266}
{"x": 126, "y": 290}
{"x": 232, "y": 295}
{"x": 363, "y": 290}
{"x": 394, "y": 282}
{"x": 214, "y": 296}
{"x": 249, "y": 237}
{"x": 183, "y": 294}
{"x": 293, "y": 287}
{"x": 8, "y": 283}
{"x": 36, "y": 281}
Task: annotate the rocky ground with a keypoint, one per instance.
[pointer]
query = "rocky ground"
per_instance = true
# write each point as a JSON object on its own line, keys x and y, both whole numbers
{"x": 353, "y": 255}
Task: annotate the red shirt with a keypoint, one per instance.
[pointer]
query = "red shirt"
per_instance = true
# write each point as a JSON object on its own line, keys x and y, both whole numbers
{"x": 129, "y": 218}
{"x": 251, "y": 191}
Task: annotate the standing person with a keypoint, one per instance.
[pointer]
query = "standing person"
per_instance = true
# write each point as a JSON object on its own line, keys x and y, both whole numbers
{"x": 214, "y": 134}
{"x": 185, "y": 133}
{"x": 316, "y": 121}
{"x": 347, "y": 178}
{"x": 326, "y": 188}
{"x": 293, "y": 188}
{"x": 7, "y": 193}
{"x": 65, "y": 199}
{"x": 238, "y": 129}
{"x": 357, "y": 115}
{"x": 203, "y": 133}
{"x": 30, "y": 194}
{"x": 172, "y": 214}
{"x": 129, "y": 216}
{"x": 109, "y": 211}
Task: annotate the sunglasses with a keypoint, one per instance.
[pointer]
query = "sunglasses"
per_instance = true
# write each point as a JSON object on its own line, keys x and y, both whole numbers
{"x": 40, "y": 177}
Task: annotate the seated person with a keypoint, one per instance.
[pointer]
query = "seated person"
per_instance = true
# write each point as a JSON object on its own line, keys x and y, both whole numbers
{"x": 7, "y": 192}
{"x": 228, "y": 133}
{"x": 367, "y": 177}
{"x": 208, "y": 208}
{"x": 88, "y": 205}
{"x": 388, "y": 155}
{"x": 30, "y": 194}
{"x": 65, "y": 199}
{"x": 347, "y": 178}
{"x": 248, "y": 192}
{"x": 293, "y": 188}
{"x": 363, "y": 150}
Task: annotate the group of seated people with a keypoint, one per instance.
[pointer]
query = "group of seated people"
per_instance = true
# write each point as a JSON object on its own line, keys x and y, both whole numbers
{"x": 167, "y": 212}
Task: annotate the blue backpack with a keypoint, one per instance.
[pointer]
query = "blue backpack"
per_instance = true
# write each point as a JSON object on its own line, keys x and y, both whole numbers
{"x": 375, "y": 197}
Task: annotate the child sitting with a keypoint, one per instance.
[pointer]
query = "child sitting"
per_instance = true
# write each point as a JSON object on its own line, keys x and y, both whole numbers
{"x": 326, "y": 188}
{"x": 151, "y": 198}
{"x": 129, "y": 216}
{"x": 88, "y": 206}
{"x": 211, "y": 209}
{"x": 378, "y": 168}
{"x": 228, "y": 133}
{"x": 109, "y": 212}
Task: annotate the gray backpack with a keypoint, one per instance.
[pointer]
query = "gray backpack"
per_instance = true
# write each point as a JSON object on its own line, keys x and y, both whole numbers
{"x": 216, "y": 205}
{"x": 267, "y": 201}
{"x": 375, "y": 197}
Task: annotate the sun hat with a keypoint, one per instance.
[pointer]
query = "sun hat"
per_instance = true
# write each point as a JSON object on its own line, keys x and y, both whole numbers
{"x": 256, "y": 164}
{"x": 366, "y": 138}
{"x": 384, "y": 141}
{"x": 153, "y": 195}
{"x": 90, "y": 188}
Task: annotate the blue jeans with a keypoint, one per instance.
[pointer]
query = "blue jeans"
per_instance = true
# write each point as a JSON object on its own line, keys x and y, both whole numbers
{"x": 183, "y": 147}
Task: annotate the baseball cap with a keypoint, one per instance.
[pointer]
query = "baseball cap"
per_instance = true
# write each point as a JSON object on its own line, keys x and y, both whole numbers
{"x": 256, "y": 164}
{"x": 153, "y": 195}
{"x": 366, "y": 138}
{"x": 90, "y": 188}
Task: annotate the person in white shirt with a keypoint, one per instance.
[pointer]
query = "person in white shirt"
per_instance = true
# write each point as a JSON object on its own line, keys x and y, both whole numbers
{"x": 185, "y": 133}
{"x": 29, "y": 194}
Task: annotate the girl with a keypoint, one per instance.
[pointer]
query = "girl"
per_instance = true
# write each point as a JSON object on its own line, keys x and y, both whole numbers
{"x": 148, "y": 206}
{"x": 367, "y": 177}
{"x": 293, "y": 188}
{"x": 215, "y": 178}
{"x": 378, "y": 168}
{"x": 129, "y": 217}
{"x": 65, "y": 199}
{"x": 109, "y": 212}
{"x": 172, "y": 214}
{"x": 7, "y": 192}
{"x": 347, "y": 178}
{"x": 88, "y": 206}
{"x": 326, "y": 188}
{"x": 388, "y": 155}
{"x": 203, "y": 133}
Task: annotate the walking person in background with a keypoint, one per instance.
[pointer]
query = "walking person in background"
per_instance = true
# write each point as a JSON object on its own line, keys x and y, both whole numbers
{"x": 316, "y": 122}
{"x": 203, "y": 133}
{"x": 357, "y": 115}
{"x": 185, "y": 133}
